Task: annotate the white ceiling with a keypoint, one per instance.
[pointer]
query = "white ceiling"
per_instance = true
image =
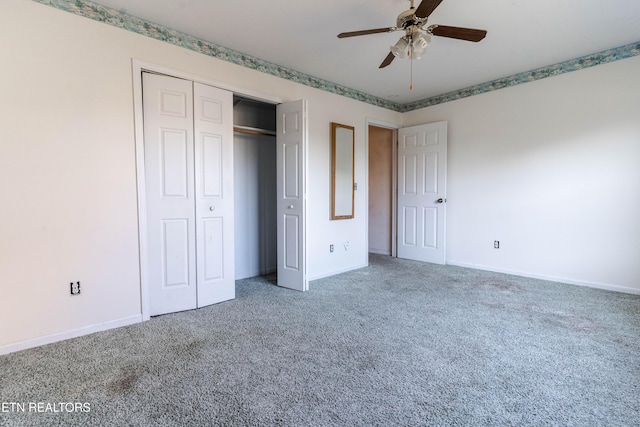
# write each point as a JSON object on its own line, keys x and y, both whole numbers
{"x": 299, "y": 34}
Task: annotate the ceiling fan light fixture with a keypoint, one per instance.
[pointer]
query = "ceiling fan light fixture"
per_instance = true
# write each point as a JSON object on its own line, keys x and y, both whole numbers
{"x": 424, "y": 39}
{"x": 420, "y": 42}
{"x": 400, "y": 48}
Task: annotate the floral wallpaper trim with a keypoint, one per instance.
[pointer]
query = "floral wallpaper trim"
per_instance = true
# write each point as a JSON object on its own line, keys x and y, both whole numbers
{"x": 583, "y": 62}
{"x": 131, "y": 23}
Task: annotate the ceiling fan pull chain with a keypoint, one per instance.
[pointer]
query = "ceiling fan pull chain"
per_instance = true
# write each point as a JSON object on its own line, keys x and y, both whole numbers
{"x": 411, "y": 72}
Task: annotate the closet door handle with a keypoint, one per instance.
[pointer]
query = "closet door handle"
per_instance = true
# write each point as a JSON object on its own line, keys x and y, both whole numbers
{"x": 211, "y": 208}
{"x": 290, "y": 207}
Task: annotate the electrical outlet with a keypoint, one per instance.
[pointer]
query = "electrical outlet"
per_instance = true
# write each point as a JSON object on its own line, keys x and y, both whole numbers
{"x": 330, "y": 248}
{"x": 496, "y": 244}
{"x": 75, "y": 288}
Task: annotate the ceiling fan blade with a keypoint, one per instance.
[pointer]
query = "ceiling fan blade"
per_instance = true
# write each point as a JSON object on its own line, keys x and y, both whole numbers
{"x": 469, "y": 34}
{"x": 366, "y": 32}
{"x": 427, "y": 7}
{"x": 390, "y": 57}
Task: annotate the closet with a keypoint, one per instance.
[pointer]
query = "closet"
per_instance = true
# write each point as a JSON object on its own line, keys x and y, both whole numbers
{"x": 188, "y": 214}
{"x": 254, "y": 141}
{"x": 221, "y": 191}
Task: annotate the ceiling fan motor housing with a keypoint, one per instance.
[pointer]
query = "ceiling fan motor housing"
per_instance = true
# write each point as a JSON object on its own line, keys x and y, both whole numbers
{"x": 408, "y": 19}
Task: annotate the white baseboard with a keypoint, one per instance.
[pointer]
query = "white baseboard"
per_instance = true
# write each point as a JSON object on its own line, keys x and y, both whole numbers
{"x": 380, "y": 251}
{"x": 246, "y": 275}
{"x": 74, "y": 333}
{"x": 603, "y": 286}
{"x": 333, "y": 273}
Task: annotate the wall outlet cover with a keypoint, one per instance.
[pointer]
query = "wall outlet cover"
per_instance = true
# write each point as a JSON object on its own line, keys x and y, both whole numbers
{"x": 75, "y": 288}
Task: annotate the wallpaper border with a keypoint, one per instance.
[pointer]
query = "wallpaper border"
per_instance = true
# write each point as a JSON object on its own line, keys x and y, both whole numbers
{"x": 576, "y": 64}
{"x": 134, "y": 24}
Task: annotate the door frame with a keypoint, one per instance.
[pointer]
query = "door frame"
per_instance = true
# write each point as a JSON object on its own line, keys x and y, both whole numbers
{"x": 139, "y": 66}
{"x": 394, "y": 182}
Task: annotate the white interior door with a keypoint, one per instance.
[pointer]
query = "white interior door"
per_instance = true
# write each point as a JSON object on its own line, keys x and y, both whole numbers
{"x": 291, "y": 166}
{"x": 214, "y": 201}
{"x": 188, "y": 163}
{"x": 169, "y": 167}
{"x": 422, "y": 173}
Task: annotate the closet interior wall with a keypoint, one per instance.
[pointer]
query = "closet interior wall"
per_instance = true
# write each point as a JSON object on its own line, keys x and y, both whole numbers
{"x": 255, "y": 187}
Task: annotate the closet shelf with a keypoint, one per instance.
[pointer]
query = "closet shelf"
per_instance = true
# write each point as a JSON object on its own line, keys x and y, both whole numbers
{"x": 254, "y": 131}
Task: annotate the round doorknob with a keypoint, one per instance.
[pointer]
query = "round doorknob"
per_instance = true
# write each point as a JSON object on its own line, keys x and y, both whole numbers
{"x": 211, "y": 208}
{"x": 441, "y": 200}
{"x": 290, "y": 207}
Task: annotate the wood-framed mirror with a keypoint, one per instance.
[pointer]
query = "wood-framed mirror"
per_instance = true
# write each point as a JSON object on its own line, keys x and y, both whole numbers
{"x": 342, "y": 171}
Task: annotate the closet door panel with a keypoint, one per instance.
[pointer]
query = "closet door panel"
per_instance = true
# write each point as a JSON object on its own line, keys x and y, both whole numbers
{"x": 212, "y": 166}
{"x": 291, "y": 145}
{"x": 214, "y": 200}
{"x": 169, "y": 167}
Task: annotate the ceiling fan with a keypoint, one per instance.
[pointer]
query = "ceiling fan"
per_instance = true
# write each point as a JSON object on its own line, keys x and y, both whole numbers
{"x": 417, "y": 38}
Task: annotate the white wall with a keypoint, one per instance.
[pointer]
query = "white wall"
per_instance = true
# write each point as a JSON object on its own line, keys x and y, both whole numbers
{"x": 551, "y": 169}
{"x": 67, "y": 168}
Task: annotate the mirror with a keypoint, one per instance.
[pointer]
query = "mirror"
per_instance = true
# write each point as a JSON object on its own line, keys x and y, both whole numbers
{"x": 342, "y": 158}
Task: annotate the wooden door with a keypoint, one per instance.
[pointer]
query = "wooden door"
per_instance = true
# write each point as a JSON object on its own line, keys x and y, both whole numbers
{"x": 381, "y": 190}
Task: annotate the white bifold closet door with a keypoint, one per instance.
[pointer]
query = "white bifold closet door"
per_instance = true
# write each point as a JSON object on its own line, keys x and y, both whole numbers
{"x": 291, "y": 171}
{"x": 188, "y": 150}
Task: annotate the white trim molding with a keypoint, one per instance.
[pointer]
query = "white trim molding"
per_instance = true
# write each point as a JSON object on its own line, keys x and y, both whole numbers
{"x": 73, "y": 333}
{"x": 564, "y": 280}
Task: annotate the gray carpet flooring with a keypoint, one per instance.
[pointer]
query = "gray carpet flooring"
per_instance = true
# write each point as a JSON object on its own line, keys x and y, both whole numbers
{"x": 398, "y": 343}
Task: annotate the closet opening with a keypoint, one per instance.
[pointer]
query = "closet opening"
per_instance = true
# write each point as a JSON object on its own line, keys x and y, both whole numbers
{"x": 254, "y": 141}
